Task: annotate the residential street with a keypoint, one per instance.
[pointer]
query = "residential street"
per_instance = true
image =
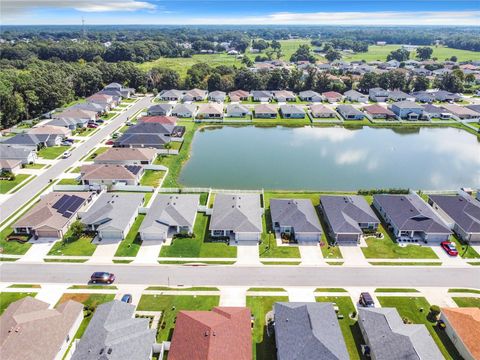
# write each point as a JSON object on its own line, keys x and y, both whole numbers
{"x": 426, "y": 276}
{"x": 21, "y": 197}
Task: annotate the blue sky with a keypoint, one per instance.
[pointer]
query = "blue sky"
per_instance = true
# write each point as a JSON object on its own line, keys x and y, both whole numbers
{"x": 224, "y": 12}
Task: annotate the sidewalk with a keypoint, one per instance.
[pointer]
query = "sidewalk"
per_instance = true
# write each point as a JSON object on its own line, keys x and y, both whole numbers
{"x": 233, "y": 296}
{"x": 311, "y": 255}
{"x": 300, "y": 294}
{"x": 51, "y": 293}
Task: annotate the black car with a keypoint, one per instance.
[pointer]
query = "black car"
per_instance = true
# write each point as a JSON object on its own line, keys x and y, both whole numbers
{"x": 366, "y": 300}
{"x": 127, "y": 298}
{"x": 102, "y": 277}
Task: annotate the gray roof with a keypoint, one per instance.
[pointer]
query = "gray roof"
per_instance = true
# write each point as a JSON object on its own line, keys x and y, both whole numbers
{"x": 160, "y": 108}
{"x": 291, "y": 109}
{"x": 171, "y": 210}
{"x": 172, "y": 93}
{"x": 349, "y": 110}
{"x": 90, "y": 106}
{"x": 308, "y": 331}
{"x": 297, "y": 213}
{"x": 398, "y": 94}
{"x": 232, "y": 108}
{"x": 217, "y": 95}
{"x": 407, "y": 105}
{"x": 146, "y": 140}
{"x": 432, "y": 109}
{"x": 14, "y": 151}
{"x": 113, "y": 210}
{"x": 150, "y": 128}
{"x": 474, "y": 108}
{"x": 344, "y": 213}
{"x": 354, "y": 94}
{"x": 465, "y": 211}
{"x": 114, "y": 334}
{"x": 308, "y": 93}
{"x": 261, "y": 93}
{"x": 411, "y": 213}
{"x": 67, "y": 121}
{"x": 26, "y": 139}
{"x": 183, "y": 108}
{"x": 237, "y": 212}
{"x": 391, "y": 339}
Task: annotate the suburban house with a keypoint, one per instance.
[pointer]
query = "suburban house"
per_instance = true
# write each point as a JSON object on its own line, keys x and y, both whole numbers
{"x": 461, "y": 212}
{"x": 31, "y": 330}
{"x": 26, "y": 154}
{"x": 126, "y": 156}
{"x": 53, "y": 214}
{"x": 184, "y": 110}
{"x": 50, "y": 130}
{"x": 332, "y": 96}
{"x": 321, "y": 111}
{"x": 398, "y": 95}
{"x": 446, "y": 96}
{"x": 11, "y": 166}
{"x": 386, "y": 334}
{"x": 91, "y": 106}
{"x": 378, "y": 94}
{"x": 195, "y": 95}
{"x": 34, "y": 141}
{"x": 284, "y": 96}
{"x": 237, "y": 110}
{"x": 238, "y": 95}
{"x": 217, "y": 96}
{"x": 261, "y": 95}
{"x": 210, "y": 111}
{"x": 265, "y": 111}
{"x": 424, "y": 96}
{"x": 169, "y": 215}
{"x": 146, "y": 134}
{"x": 118, "y": 88}
{"x": 160, "y": 110}
{"x": 110, "y": 174}
{"x": 238, "y": 216}
{"x": 410, "y": 218}
{"x": 462, "y": 112}
{"x": 291, "y": 111}
{"x": 434, "y": 112}
{"x": 348, "y": 217}
{"x": 407, "y": 110}
{"x": 295, "y": 219}
{"x": 166, "y": 120}
{"x": 171, "y": 95}
{"x": 348, "y": 112}
{"x": 75, "y": 113}
{"x": 462, "y": 326}
{"x": 115, "y": 333}
{"x": 308, "y": 330}
{"x": 376, "y": 111}
{"x": 108, "y": 100}
{"x": 311, "y": 96}
{"x": 223, "y": 333}
{"x": 113, "y": 214}
{"x": 69, "y": 123}
{"x": 355, "y": 96}
{"x": 475, "y": 107}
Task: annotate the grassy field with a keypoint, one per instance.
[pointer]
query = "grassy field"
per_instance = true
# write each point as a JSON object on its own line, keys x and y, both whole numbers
{"x": 465, "y": 251}
{"x": 152, "y": 177}
{"x": 381, "y": 52}
{"x": 263, "y": 345}
{"x": 467, "y": 301}
{"x": 68, "y": 182}
{"x": 6, "y": 298}
{"x": 52, "y": 152}
{"x": 96, "y": 152}
{"x": 131, "y": 244}
{"x": 80, "y": 247}
{"x": 7, "y": 185}
{"x": 11, "y": 247}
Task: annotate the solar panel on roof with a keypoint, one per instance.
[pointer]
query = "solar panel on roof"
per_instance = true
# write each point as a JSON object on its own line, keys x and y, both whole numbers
{"x": 61, "y": 209}
{"x": 134, "y": 169}
{"x": 67, "y": 214}
{"x": 61, "y": 201}
{"x": 75, "y": 203}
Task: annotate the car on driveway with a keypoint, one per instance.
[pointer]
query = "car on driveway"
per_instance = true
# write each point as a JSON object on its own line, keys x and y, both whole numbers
{"x": 366, "y": 300}
{"x": 92, "y": 126}
{"x": 102, "y": 277}
{"x": 109, "y": 142}
{"x": 127, "y": 298}
{"x": 449, "y": 248}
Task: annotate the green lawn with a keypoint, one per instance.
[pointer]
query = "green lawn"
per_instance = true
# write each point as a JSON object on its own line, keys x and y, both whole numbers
{"x": 464, "y": 250}
{"x": 197, "y": 246}
{"x": 350, "y": 329}
{"x": 6, "y": 298}
{"x": 396, "y": 290}
{"x": 24, "y": 286}
{"x": 34, "y": 166}
{"x": 460, "y": 290}
{"x": 52, "y": 152}
{"x": 11, "y": 247}
{"x": 268, "y": 246}
{"x": 263, "y": 346}
{"x": 7, "y": 185}
{"x": 152, "y": 177}
{"x": 108, "y": 116}
{"x": 410, "y": 308}
{"x": 330, "y": 290}
{"x": 467, "y": 301}
{"x": 73, "y": 247}
{"x": 96, "y": 152}
{"x": 170, "y": 305}
{"x": 132, "y": 242}
{"x": 195, "y": 288}
{"x": 68, "y": 182}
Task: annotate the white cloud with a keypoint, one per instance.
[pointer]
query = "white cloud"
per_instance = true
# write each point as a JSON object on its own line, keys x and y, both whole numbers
{"x": 351, "y": 157}
{"x": 331, "y": 134}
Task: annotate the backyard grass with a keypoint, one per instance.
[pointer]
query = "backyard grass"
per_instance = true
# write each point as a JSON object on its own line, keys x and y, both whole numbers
{"x": 6, "y": 298}
{"x": 70, "y": 246}
{"x": 263, "y": 345}
{"x": 68, "y": 182}
{"x": 96, "y": 152}
{"x": 132, "y": 242}
{"x": 152, "y": 177}
{"x": 52, "y": 152}
{"x": 11, "y": 247}
{"x": 170, "y": 305}
{"x": 7, "y": 185}
{"x": 350, "y": 329}
{"x": 197, "y": 246}
{"x": 409, "y": 308}
{"x": 467, "y": 301}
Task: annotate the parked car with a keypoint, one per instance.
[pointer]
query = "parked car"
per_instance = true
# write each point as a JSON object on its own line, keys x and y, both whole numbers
{"x": 127, "y": 298}
{"x": 99, "y": 121}
{"x": 109, "y": 142}
{"x": 71, "y": 141}
{"x": 66, "y": 143}
{"x": 128, "y": 123}
{"x": 92, "y": 126}
{"x": 102, "y": 277}
{"x": 449, "y": 248}
{"x": 66, "y": 154}
{"x": 366, "y": 300}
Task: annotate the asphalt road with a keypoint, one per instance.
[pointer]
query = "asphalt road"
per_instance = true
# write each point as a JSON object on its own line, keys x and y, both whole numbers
{"x": 218, "y": 275}
{"x": 18, "y": 199}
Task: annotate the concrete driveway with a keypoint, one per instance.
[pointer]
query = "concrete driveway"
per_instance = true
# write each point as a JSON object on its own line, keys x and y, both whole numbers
{"x": 149, "y": 252}
{"x": 353, "y": 255}
{"x": 105, "y": 251}
{"x": 247, "y": 253}
{"x": 447, "y": 260}
{"x": 38, "y": 250}
{"x": 311, "y": 254}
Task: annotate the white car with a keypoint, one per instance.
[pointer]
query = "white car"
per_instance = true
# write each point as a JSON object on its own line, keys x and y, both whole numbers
{"x": 66, "y": 154}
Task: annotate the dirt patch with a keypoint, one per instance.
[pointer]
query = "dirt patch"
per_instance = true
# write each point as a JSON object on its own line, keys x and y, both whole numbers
{"x": 81, "y": 298}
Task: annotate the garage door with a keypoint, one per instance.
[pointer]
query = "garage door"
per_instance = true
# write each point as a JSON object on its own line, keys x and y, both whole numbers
{"x": 305, "y": 237}
{"x": 48, "y": 234}
{"x": 247, "y": 236}
{"x": 111, "y": 234}
{"x": 347, "y": 239}
{"x": 152, "y": 236}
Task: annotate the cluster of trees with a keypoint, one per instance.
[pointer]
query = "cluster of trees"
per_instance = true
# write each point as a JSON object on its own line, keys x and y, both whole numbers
{"x": 303, "y": 53}
{"x": 342, "y": 44}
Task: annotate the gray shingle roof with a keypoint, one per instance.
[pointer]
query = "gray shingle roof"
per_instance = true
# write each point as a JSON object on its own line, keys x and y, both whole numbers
{"x": 298, "y": 213}
{"x": 344, "y": 213}
{"x": 391, "y": 339}
{"x": 160, "y": 108}
{"x": 14, "y": 151}
{"x": 291, "y": 109}
{"x": 237, "y": 212}
{"x": 113, "y": 334}
{"x": 150, "y": 128}
{"x": 308, "y": 331}
{"x": 183, "y": 108}
{"x": 465, "y": 211}
{"x": 146, "y": 140}
{"x": 407, "y": 105}
{"x": 26, "y": 139}
{"x": 348, "y": 110}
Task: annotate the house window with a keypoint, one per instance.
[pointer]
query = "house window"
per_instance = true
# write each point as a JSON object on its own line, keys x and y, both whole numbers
{"x": 217, "y": 232}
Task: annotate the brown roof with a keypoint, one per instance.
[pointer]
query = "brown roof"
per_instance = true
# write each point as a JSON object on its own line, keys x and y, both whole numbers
{"x": 210, "y": 108}
{"x": 319, "y": 108}
{"x": 265, "y": 108}
{"x": 459, "y": 110}
{"x": 159, "y": 119}
{"x": 376, "y": 109}
{"x": 29, "y": 330}
{"x": 49, "y": 129}
{"x": 100, "y": 97}
{"x": 239, "y": 94}
{"x": 332, "y": 94}
{"x": 466, "y": 322}
{"x": 106, "y": 172}
{"x": 9, "y": 164}
{"x": 75, "y": 113}
{"x": 44, "y": 214}
{"x": 223, "y": 333}
{"x": 125, "y": 154}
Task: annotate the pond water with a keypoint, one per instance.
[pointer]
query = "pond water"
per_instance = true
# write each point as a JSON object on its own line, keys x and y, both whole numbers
{"x": 332, "y": 158}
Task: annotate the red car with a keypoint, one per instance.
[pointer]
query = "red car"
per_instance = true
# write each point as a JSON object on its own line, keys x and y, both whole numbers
{"x": 109, "y": 142}
{"x": 102, "y": 277}
{"x": 449, "y": 248}
{"x": 92, "y": 126}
